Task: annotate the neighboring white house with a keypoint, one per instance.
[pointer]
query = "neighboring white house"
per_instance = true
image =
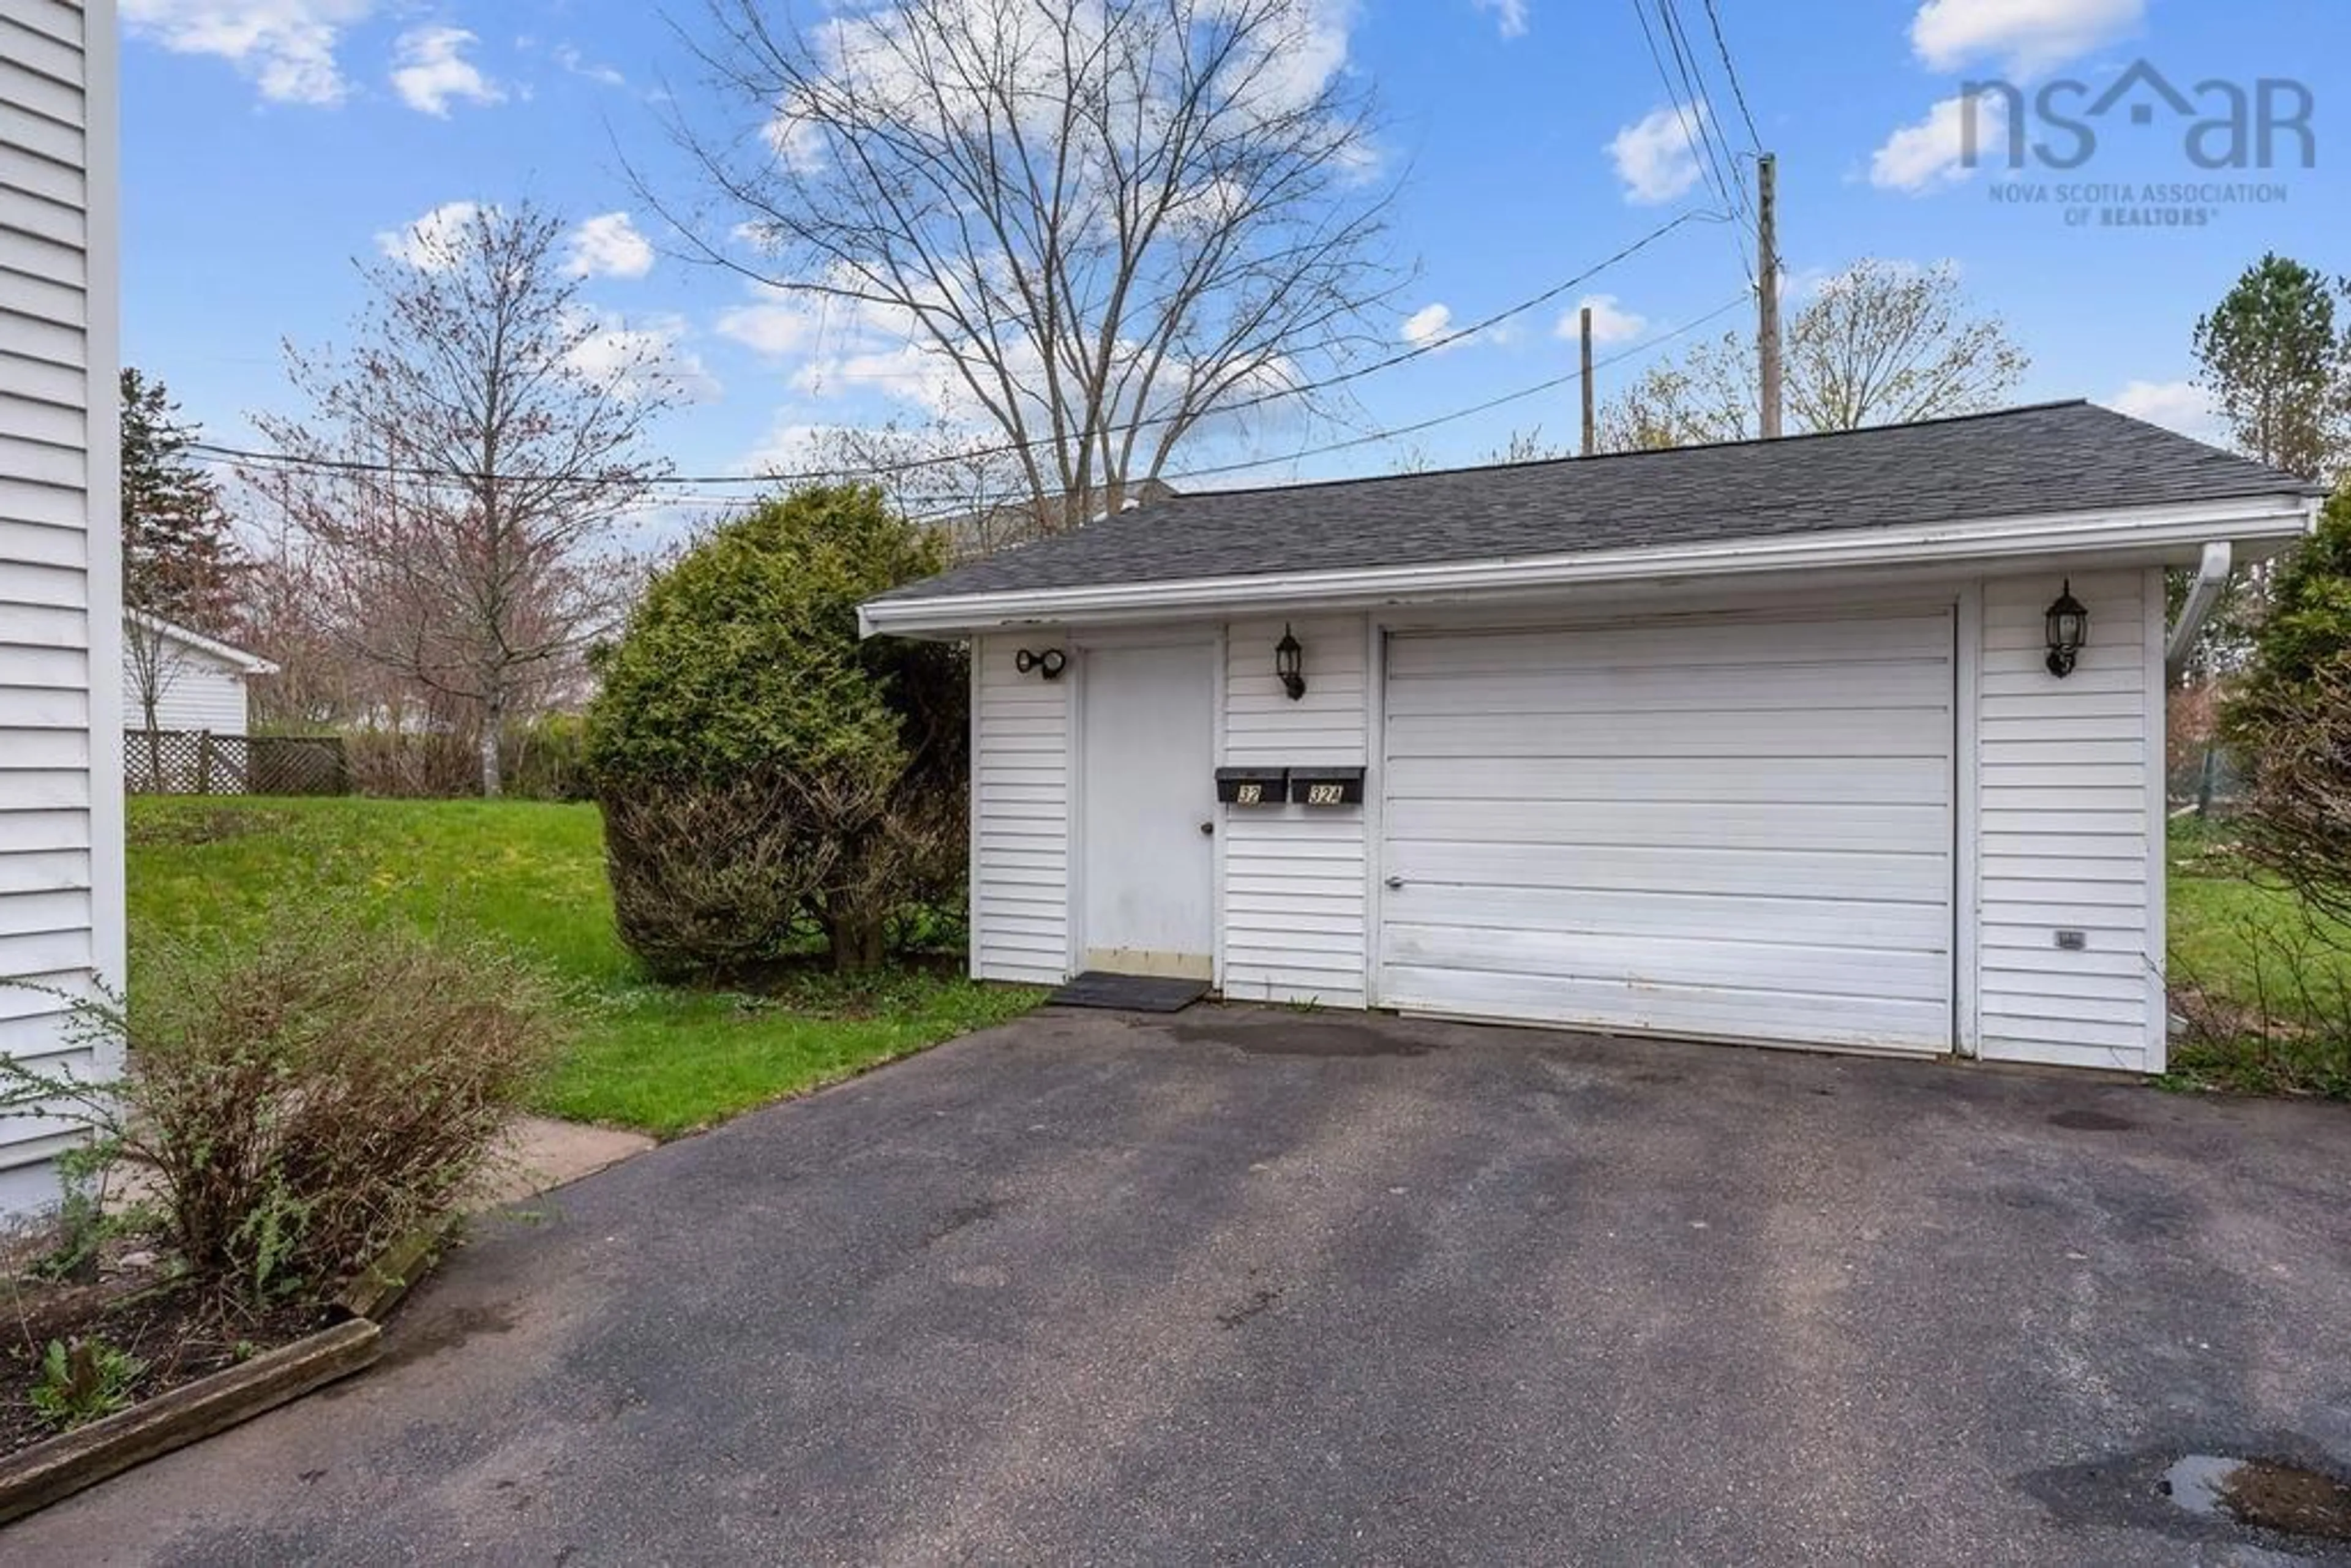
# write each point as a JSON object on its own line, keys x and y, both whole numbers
{"x": 60, "y": 562}
{"x": 198, "y": 682}
{"x": 1763, "y": 742}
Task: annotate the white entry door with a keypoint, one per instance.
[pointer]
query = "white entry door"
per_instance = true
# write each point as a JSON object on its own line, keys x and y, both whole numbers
{"x": 1739, "y": 829}
{"x": 1148, "y": 792}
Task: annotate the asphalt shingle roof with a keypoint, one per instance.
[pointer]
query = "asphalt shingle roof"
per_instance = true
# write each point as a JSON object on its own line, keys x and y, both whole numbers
{"x": 2051, "y": 457}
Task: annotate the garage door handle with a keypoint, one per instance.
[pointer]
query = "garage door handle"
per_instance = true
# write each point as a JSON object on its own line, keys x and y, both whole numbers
{"x": 1395, "y": 882}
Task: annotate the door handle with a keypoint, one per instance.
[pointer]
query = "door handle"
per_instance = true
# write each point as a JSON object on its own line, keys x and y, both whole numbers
{"x": 1394, "y": 882}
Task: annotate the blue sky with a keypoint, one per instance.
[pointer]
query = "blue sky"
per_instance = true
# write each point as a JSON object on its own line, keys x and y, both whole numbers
{"x": 269, "y": 143}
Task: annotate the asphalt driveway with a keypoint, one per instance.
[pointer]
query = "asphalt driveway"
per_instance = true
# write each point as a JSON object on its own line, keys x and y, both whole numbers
{"x": 1258, "y": 1285}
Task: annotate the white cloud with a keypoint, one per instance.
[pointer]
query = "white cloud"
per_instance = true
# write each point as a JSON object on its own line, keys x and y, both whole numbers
{"x": 797, "y": 142}
{"x": 579, "y": 65}
{"x": 793, "y": 445}
{"x": 637, "y": 359}
{"x": 1655, "y": 156}
{"x": 782, "y": 322}
{"x": 609, "y": 247}
{"x": 1940, "y": 150}
{"x": 912, "y": 373}
{"x": 1509, "y": 16}
{"x": 1610, "y": 322}
{"x": 2025, "y": 37}
{"x": 430, "y": 71}
{"x": 2182, "y": 406}
{"x": 285, "y": 46}
{"x": 431, "y": 243}
{"x": 1292, "y": 51}
{"x": 1426, "y": 325}
{"x": 776, "y": 329}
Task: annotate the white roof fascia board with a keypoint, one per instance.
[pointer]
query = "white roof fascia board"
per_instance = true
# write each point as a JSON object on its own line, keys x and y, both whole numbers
{"x": 2278, "y": 517}
{"x": 246, "y": 664}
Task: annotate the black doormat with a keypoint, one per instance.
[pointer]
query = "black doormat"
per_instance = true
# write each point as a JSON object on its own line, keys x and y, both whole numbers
{"x": 1128, "y": 993}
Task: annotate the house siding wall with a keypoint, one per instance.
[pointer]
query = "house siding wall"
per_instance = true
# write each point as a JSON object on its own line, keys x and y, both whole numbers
{"x": 2066, "y": 772}
{"x": 1295, "y": 916}
{"x": 200, "y": 691}
{"x": 1020, "y": 819}
{"x": 2059, "y": 820}
{"x": 60, "y": 714}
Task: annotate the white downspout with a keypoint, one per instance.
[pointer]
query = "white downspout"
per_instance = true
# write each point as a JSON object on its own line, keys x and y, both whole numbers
{"x": 2211, "y": 576}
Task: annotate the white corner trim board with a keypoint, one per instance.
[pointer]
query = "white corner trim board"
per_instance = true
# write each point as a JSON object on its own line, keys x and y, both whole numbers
{"x": 1952, "y": 544}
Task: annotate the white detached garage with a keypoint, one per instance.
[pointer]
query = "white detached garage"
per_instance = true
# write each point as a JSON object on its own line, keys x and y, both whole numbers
{"x": 1765, "y": 742}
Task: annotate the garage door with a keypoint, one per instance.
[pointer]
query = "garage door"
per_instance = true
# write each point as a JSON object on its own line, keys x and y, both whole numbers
{"x": 1731, "y": 829}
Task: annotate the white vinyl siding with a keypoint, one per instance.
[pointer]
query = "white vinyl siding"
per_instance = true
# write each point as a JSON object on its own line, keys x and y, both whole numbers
{"x": 61, "y": 852}
{"x": 200, "y": 691}
{"x": 1020, "y": 817}
{"x": 2066, "y": 768}
{"x": 1294, "y": 906}
{"x": 1731, "y": 828}
{"x": 1748, "y": 822}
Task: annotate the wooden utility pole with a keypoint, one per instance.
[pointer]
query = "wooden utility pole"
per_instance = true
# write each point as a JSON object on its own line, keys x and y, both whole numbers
{"x": 1584, "y": 337}
{"x": 1767, "y": 288}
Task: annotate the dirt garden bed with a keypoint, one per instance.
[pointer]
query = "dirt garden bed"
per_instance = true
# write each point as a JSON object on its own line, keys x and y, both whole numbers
{"x": 125, "y": 1332}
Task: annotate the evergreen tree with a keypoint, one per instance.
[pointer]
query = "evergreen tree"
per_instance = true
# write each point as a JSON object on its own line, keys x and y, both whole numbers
{"x": 179, "y": 559}
{"x": 761, "y": 768}
{"x": 2290, "y": 720}
{"x": 2278, "y": 363}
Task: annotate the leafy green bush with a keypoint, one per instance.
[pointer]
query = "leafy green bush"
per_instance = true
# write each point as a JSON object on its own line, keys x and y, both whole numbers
{"x": 81, "y": 1382}
{"x": 761, "y": 768}
{"x": 546, "y": 758}
{"x": 299, "y": 1104}
{"x": 2291, "y": 720}
{"x": 707, "y": 880}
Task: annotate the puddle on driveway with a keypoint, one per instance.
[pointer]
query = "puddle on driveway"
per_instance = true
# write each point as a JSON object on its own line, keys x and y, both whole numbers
{"x": 2091, "y": 1122}
{"x": 1276, "y": 1037}
{"x": 2263, "y": 1493}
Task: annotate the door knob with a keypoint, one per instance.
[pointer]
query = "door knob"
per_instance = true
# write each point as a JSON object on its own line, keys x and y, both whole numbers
{"x": 1207, "y": 830}
{"x": 1396, "y": 881}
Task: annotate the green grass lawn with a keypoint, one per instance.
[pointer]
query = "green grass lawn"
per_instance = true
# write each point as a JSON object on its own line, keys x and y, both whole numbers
{"x": 659, "y": 1059}
{"x": 2266, "y": 987}
{"x": 668, "y": 1061}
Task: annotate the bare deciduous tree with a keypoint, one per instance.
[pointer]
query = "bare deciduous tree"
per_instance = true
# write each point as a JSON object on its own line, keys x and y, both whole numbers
{"x": 466, "y": 462}
{"x": 1880, "y": 343}
{"x": 1099, "y": 224}
{"x": 968, "y": 486}
{"x": 153, "y": 663}
{"x": 291, "y": 614}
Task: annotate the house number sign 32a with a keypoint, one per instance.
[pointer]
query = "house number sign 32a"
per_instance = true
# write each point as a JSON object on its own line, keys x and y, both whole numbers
{"x": 1326, "y": 794}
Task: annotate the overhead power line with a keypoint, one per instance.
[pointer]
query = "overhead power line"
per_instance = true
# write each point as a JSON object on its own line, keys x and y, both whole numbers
{"x": 1520, "y": 395}
{"x": 971, "y": 504}
{"x": 299, "y": 462}
{"x": 1688, "y": 99}
{"x": 1376, "y": 438}
{"x": 1692, "y": 73}
{"x": 1738, "y": 92}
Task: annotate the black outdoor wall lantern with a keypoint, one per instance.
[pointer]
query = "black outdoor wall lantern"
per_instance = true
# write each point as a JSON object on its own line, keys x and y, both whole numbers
{"x": 1048, "y": 664}
{"x": 1289, "y": 664}
{"x": 2069, "y": 628}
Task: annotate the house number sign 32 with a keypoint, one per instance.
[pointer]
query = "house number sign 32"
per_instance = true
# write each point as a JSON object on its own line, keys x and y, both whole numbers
{"x": 1249, "y": 794}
